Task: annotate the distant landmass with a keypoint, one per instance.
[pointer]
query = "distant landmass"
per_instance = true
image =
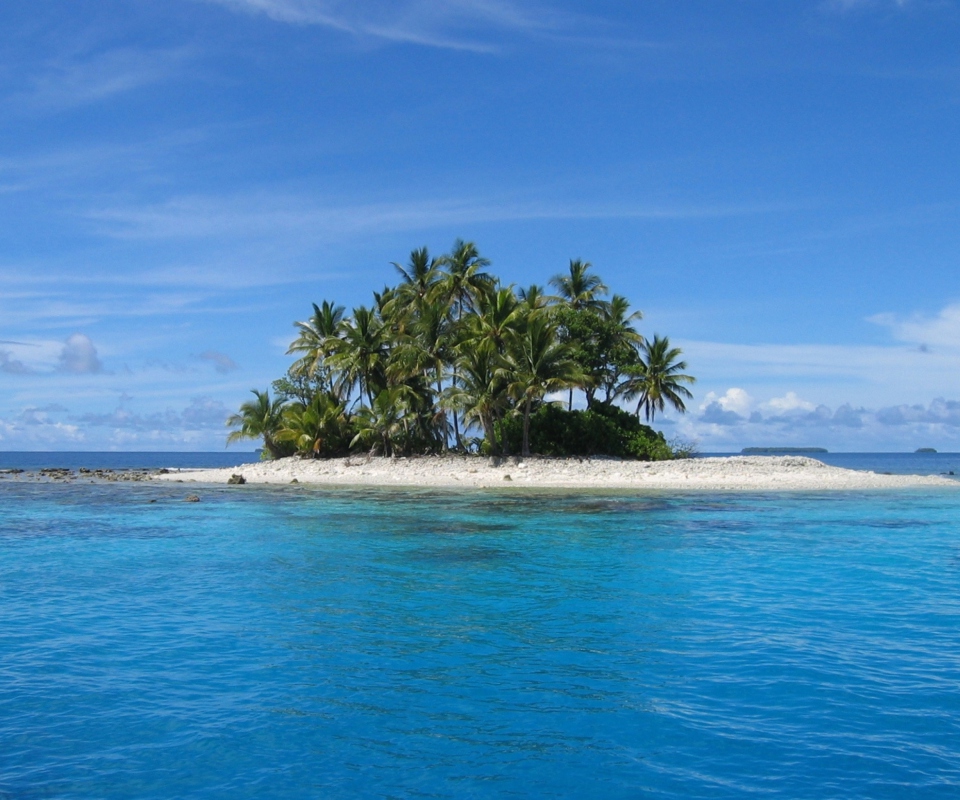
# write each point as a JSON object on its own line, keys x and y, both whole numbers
{"x": 925, "y": 450}
{"x": 781, "y": 451}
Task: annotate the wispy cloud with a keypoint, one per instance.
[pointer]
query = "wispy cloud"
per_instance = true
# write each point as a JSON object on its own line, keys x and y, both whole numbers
{"x": 939, "y": 331}
{"x": 857, "y": 5}
{"x": 894, "y": 368}
{"x": 449, "y": 24}
{"x": 86, "y": 78}
{"x": 222, "y": 363}
{"x": 277, "y": 216}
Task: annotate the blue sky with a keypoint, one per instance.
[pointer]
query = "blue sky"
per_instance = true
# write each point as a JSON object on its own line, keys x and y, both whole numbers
{"x": 775, "y": 185}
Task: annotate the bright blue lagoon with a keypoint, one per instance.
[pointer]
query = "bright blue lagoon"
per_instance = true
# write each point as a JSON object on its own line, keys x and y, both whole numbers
{"x": 297, "y": 643}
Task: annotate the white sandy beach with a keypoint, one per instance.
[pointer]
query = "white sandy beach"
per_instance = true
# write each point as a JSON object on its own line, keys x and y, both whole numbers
{"x": 738, "y": 473}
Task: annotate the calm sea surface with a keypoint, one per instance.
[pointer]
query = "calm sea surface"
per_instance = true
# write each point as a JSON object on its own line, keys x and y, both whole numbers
{"x": 302, "y": 643}
{"x": 897, "y": 463}
{"x": 120, "y": 460}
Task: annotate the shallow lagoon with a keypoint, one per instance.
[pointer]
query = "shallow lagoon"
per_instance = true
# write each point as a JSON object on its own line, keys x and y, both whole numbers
{"x": 301, "y": 643}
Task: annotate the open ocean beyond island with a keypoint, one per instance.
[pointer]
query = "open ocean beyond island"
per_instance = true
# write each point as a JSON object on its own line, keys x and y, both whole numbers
{"x": 122, "y": 460}
{"x": 288, "y": 642}
{"x": 896, "y": 463}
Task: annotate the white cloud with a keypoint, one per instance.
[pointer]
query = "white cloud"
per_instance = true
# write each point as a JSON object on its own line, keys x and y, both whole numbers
{"x": 736, "y": 400}
{"x": 883, "y": 374}
{"x": 941, "y": 330}
{"x": 200, "y": 424}
{"x": 276, "y": 216}
{"x": 29, "y": 357}
{"x": 202, "y": 413}
{"x": 939, "y": 412}
{"x": 79, "y": 356}
{"x": 853, "y": 5}
{"x": 12, "y": 366}
{"x": 84, "y": 79}
{"x": 789, "y": 402}
{"x": 434, "y": 23}
{"x": 730, "y": 408}
{"x": 35, "y": 427}
{"x": 792, "y": 421}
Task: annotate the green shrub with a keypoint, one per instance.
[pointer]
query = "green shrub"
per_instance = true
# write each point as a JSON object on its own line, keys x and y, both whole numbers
{"x": 601, "y": 430}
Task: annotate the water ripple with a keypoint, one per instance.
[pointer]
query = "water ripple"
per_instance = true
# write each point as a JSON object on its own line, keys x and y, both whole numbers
{"x": 381, "y": 644}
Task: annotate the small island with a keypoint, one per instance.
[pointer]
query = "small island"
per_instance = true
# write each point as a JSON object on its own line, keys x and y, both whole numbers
{"x": 452, "y": 361}
{"x": 925, "y": 450}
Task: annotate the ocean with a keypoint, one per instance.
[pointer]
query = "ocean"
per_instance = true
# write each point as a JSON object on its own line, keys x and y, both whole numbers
{"x": 124, "y": 460}
{"x": 896, "y": 463}
{"x": 289, "y": 642}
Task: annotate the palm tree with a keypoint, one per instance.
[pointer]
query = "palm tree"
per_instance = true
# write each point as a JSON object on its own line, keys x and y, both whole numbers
{"x": 450, "y": 340}
{"x": 498, "y": 318}
{"x": 381, "y": 424}
{"x": 621, "y": 344}
{"x": 464, "y": 280}
{"x": 579, "y": 292}
{"x": 539, "y": 364}
{"x": 481, "y": 392}
{"x": 258, "y": 418}
{"x": 461, "y": 284}
{"x": 418, "y": 278}
{"x": 425, "y": 344}
{"x": 659, "y": 379}
{"x": 421, "y": 356}
{"x": 361, "y": 352}
{"x": 616, "y": 312}
{"x": 320, "y": 428}
{"x": 315, "y": 341}
{"x": 533, "y": 298}
{"x": 579, "y": 289}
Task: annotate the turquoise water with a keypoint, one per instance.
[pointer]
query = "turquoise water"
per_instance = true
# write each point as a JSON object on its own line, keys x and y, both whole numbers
{"x": 295, "y": 643}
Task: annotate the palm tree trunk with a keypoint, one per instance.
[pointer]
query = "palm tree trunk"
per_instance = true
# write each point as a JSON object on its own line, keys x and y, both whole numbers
{"x": 505, "y": 442}
{"x": 453, "y": 379}
{"x": 456, "y": 420}
{"x": 526, "y": 428}
{"x": 570, "y": 401}
{"x": 272, "y": 447}
{"x": 445, "y": 445}
{"x": 490, "y": 431}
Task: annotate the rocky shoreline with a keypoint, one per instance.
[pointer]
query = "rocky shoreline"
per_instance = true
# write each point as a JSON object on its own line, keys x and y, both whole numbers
{"x": 82, "y": 474}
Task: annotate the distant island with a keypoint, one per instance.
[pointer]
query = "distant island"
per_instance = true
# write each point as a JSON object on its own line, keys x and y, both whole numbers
{"x": 925, "y": 450}
{"x": 781, "y": 451}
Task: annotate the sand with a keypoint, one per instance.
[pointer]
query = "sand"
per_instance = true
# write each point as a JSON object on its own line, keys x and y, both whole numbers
{"x": 738, "y": 473}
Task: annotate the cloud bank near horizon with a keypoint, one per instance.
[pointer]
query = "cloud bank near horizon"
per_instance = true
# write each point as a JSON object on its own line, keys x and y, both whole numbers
{"x": 737, "y": 419}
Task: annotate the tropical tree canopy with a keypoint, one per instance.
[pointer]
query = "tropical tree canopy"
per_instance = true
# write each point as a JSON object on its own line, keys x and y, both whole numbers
{"x": 259, "y": 418}
{"x": 450, "y": 357}
{"x": 658, "y": 379}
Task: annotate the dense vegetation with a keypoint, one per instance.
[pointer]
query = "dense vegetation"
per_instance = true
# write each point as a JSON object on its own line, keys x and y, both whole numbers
{"x": 452, "y": 359}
